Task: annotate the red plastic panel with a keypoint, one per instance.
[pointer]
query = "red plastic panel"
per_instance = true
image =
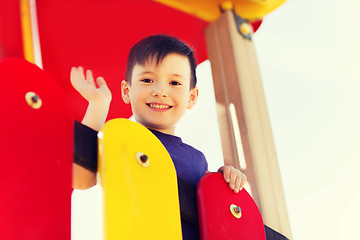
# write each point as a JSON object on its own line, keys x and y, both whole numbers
{"x": 256, "y": 24}
{"x": 11, "y": 44}
{"x": 215, "y": 218}
{"x": 36, "y": 155}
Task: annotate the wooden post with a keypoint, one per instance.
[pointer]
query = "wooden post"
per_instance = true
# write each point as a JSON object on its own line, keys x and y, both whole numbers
{"x": 245, "y": 129}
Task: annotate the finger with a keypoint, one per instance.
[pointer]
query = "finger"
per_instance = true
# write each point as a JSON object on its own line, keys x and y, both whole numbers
{"x": 243, "y": 181}
{"x": 76, "y": 74}
{"x": 226, "y": 173}
{"x": 100, "y": 81}
{"x": 79, "y": 73}
{"x": 238, "y": 182}
{"x": 90, "y": 77}
{"x": 233, "y": 177}
{"x": 72, "y": 75}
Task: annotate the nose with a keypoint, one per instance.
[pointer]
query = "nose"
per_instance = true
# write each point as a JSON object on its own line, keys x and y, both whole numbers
{"x": 159, "y": 90}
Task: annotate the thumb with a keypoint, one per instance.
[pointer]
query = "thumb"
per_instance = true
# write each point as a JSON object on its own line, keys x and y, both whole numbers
{"x": 100, "y": 82}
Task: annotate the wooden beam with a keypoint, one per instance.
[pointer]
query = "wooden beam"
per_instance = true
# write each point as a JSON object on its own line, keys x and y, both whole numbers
{"x": 241, "y": 101}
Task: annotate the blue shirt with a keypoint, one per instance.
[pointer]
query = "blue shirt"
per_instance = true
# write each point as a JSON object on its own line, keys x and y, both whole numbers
{"x": 190, "y": 165}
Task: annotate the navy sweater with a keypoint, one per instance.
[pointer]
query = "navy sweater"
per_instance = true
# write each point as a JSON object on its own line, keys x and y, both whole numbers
{"x": 190, "y": 165}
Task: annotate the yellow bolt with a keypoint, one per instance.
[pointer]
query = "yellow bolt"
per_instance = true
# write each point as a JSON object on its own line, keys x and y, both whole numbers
{"x": 245, "y": 28}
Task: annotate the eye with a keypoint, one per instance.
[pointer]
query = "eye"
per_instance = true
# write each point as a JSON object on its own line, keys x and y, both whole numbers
{"x": 175, "y": 83}
{"x": 146, "y": 80}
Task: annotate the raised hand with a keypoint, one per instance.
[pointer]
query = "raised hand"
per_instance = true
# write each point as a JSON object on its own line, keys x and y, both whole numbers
{"x": 97, "y": 94}
{"x": 85, "y": 84}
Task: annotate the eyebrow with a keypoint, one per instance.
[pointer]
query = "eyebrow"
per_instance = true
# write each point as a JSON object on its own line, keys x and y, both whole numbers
{"x": 177, "y": 75}
{"x": 145, "y": 72}
{"x": 173, "y": 74}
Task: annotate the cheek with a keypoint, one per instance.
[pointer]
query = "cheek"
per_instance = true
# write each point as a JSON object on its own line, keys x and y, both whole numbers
{"x": 182, "y": 97}
{"x": 136, "y": 94}
{"x": 186, "y": 99}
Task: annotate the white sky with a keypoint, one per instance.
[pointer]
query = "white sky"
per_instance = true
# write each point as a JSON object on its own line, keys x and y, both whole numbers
{"x": 309, "y": 57}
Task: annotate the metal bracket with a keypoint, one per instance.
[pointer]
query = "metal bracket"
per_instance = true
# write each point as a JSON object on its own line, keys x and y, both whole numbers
{"x": 243, "y": 26}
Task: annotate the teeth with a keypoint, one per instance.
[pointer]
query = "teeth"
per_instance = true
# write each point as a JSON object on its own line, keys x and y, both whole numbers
{"x": 158, "y": 106}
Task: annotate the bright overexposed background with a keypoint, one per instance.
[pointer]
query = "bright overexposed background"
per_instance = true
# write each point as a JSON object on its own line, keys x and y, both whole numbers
{"x": 309, "y": 58}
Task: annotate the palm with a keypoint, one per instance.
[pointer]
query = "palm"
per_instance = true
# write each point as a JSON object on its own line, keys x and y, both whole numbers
{"x": 86, "y": 86}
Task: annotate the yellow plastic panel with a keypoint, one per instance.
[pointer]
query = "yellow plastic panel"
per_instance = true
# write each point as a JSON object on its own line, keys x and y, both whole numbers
{"x": 209, "y": 10}
{"x": 140, "y": 197}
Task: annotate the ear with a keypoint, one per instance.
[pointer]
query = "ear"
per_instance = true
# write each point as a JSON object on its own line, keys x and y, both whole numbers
{"x": 194, "y": 94}
{"x": 125, "y": 91}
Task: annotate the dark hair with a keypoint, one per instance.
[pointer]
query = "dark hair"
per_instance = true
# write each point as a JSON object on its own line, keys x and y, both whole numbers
{"x": 158, "y": 47}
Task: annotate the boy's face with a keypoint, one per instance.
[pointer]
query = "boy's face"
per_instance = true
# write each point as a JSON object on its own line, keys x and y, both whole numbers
{"x": 160, "y": 93}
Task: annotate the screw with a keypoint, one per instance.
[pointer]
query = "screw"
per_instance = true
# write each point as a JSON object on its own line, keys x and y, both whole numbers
{"x": 33, "y": 100}
{"x": 144, "y": 158}
{"x": 237, "y": 210}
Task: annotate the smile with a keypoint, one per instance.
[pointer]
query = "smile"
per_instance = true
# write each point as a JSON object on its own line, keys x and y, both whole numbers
{"x": 159, "y": 106}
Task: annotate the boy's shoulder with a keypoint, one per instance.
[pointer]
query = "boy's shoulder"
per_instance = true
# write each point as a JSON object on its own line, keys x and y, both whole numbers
{"x": 192, "y": 148}
{"x": 171, "y": 141}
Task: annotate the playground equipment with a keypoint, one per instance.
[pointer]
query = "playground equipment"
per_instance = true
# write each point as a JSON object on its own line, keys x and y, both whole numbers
{"x": 139, "y": 184}
{"x": 36, "y": 154}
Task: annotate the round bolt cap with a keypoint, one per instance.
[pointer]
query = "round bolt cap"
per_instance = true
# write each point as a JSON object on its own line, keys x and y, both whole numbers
{"x": 142, "y": 159}
{"x": 33, "y": 100}
{"x": 235, "y": 211}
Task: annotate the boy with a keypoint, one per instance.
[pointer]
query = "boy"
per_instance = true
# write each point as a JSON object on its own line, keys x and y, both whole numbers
{"x": 160, "y": 84}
